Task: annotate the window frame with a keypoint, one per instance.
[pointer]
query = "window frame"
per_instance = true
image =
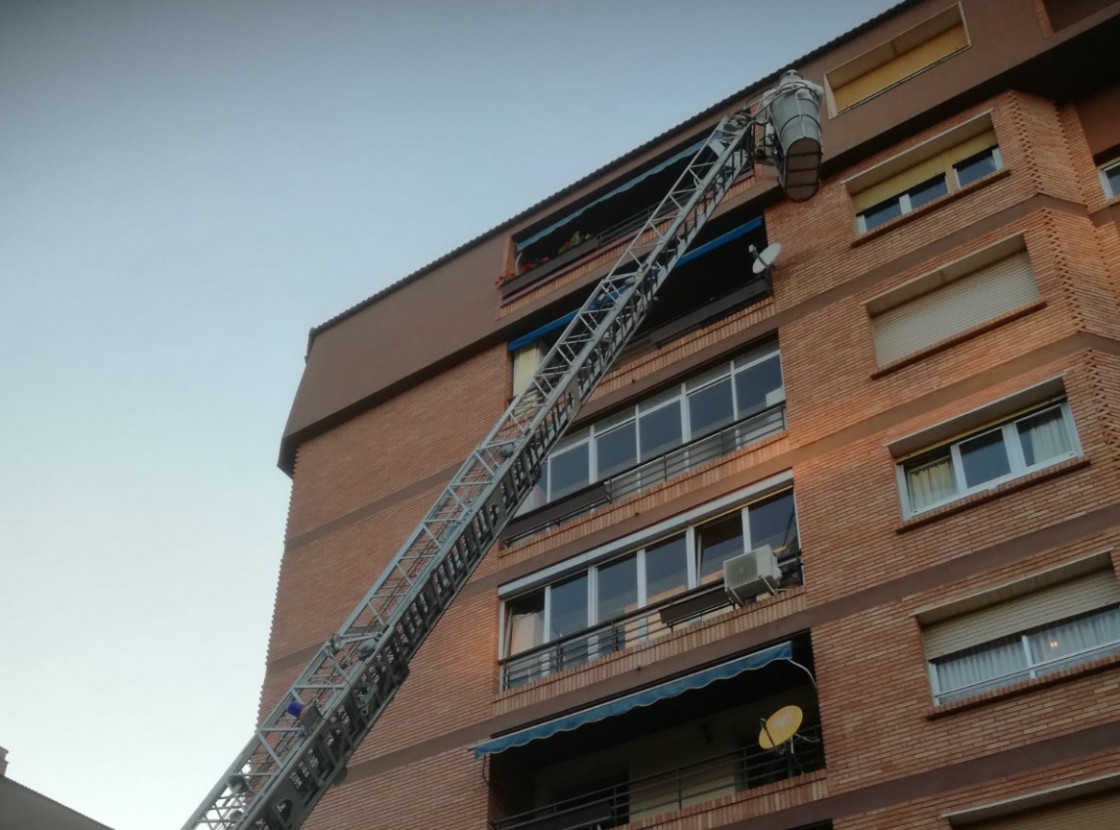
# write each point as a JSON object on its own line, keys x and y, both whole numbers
{"x": 1106, "y": 183}
{"x": 889, "y": 52}
{"x": 950, "y": 176}
{"x": 1032, "y": 669}
{"x": 997, "y": 165}
{"x": 691, "y": 534}
{"x": 677, "y": 395}
{"x": 1008, "y": 426}
{"x": 904, "y": 202}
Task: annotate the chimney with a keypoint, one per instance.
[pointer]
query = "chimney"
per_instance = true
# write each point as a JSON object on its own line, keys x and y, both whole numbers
{"x": 3, "y": 761}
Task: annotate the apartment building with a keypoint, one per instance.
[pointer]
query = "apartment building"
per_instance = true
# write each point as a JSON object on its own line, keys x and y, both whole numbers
{"x": 910, "y": 423}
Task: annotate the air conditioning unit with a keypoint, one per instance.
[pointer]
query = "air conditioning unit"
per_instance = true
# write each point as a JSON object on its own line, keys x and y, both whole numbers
{"x": 750, "y": 574}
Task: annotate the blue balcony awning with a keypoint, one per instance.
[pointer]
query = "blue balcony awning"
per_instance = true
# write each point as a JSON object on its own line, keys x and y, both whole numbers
{"x": 537, "y": 333}
{"x": 559, "y": 322}
{"x": 680, "y": 155}
{"x": 720, "y": 241}
{"x": 646, "y": 697}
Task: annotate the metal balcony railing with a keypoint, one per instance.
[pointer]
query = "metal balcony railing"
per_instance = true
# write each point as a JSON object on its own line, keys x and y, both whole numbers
{"x": 748, "y": 430}
{"x": 700, "y": 451}
{"x": 694, "y": 783}
{"x": 593, "y": 244}
{"x": 640, "y": 626}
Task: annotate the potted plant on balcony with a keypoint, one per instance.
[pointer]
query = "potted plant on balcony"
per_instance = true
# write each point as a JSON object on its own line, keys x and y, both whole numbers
{"x": 530, "y": 271}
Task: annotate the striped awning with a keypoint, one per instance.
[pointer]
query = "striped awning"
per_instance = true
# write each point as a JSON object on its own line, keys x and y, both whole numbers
{"x": 646, "y": 697}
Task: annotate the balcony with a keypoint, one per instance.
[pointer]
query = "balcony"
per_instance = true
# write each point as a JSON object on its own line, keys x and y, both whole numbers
{"x": 743, "y": 433}
{"x": 673, "y": 789}
{"x": 530, "y": 273}
{"x": 642, "y": 626}
{"x": 679, "y": 743}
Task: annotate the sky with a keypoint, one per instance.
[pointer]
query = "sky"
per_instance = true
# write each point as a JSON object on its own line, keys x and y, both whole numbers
{"x": 185, "y": 189}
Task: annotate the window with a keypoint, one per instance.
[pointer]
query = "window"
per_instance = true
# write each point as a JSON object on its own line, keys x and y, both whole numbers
{"x": 609, "y": 215}
{"x": 987, "y": 457}
{"x": 525, "y": 363}
{"x": 1086, "y": 805}
{"x": 528, "y": 351}
{"x": 927, "y": 172}
{"x": 567, "y": 610}
{"x": 951, "y": 300}
{"x": 685, "y": 412}
{"x": 1110, "y": 179}
{"x": 890, "y": 63}
{"x": 1024, "y": 637}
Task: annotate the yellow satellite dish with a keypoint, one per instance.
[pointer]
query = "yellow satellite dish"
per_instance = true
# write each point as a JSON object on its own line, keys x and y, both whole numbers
{"x": 780, "y": 727}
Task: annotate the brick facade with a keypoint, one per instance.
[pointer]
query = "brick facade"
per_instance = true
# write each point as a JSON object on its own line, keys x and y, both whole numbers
{"x": 893, "y": 758}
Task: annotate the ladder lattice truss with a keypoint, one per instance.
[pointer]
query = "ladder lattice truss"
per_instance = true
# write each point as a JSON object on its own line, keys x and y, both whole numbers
{"x": 289, "y": 763}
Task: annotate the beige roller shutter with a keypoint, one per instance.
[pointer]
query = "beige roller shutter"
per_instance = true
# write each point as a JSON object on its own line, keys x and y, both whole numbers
{"x": 1078, "y": 596}
{"x": 921, "y": 171}
{"x": 1100, "y": 812}
{"x": 909, "y": 62}
{"x": 525, "y": 363}
{"x": 954, "y": 307}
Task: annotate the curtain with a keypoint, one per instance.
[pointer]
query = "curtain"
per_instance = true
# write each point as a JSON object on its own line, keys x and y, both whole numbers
{"x": 930, "y": 483}
{"x": 1065, "y": 643}
{"x": 989, "y": 663}
{"x": 1044, "y": 436}
{"x": 1077, "y": 635}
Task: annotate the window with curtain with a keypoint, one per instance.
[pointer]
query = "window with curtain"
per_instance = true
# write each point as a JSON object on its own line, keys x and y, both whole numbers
{"x": 987, "y": 457}
{"x": 1031, "y": 654}
{"x": 615, "y": 587}
{"x": 1025, "y": 636}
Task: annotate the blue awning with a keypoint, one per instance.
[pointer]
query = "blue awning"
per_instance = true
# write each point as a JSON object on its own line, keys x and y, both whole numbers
{"x": 646, "y": 697}
{"x": 723, "y": 239}
{"x": 687, "y": 152}
{"x": 541, "y": 331}
{"x": 560, "y": 322}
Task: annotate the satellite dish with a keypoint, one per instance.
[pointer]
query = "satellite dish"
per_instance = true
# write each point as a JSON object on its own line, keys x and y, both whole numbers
{"x": 780, "y": 727}
{"x": 763, "y": 260}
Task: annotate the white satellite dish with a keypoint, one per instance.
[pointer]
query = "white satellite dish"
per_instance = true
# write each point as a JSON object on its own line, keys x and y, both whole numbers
{"x": 763, "y": 260}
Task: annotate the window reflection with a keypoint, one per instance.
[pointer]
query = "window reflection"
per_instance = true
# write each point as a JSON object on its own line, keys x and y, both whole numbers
{"x": 718, "y": 541}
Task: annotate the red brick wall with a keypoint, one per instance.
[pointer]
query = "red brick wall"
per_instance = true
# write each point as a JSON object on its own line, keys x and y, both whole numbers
{"x": 879, "y": 723}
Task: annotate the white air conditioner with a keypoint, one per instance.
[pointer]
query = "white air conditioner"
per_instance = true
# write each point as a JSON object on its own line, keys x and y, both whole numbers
{"x": 750, "y": 574}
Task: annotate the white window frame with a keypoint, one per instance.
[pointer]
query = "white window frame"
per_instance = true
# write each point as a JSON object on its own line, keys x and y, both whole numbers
{"x": 1032, "y": 668}
{"x": 900, "y": 163}
{"x": 1015, "y": 457}
{"x": 591, "y": 569}
{"x": 952, "y": 185}
{"x": 997, "y": 157}
{"x": 904, "y": 204}
{"x": 1103, "y": 171}
{"x": 675, "y": 396}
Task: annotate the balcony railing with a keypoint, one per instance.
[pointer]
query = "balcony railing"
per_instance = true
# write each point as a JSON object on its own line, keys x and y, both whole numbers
{"x": 651, "y": 473}
{"x": 747, "y": 431}
{"x": 695, "y": 783}
{"x": 553, "y": 266}
{"x": 638, "y": 627}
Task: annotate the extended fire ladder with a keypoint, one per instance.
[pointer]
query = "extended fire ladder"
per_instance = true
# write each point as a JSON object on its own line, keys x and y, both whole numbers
{"x": 302, "y": 747}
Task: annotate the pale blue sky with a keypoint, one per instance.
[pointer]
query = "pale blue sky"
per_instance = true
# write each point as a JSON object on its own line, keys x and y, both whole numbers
{"x": 185, "y": 188}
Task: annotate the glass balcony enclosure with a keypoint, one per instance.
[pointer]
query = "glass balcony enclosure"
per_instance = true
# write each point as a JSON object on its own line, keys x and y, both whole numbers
{"x": 691, "y": 423}
{"x": 643, "y": 594}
